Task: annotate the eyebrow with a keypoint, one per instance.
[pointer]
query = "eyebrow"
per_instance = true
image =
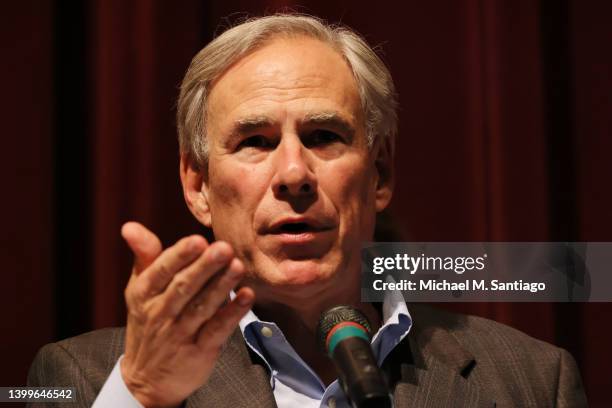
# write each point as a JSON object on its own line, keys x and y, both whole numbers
{"x": 331, "y": 119}
{"x": 251, "y": 123}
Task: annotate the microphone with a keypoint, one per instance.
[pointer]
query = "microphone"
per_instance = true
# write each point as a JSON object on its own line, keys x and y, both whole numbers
{"x": 344, "y": 334}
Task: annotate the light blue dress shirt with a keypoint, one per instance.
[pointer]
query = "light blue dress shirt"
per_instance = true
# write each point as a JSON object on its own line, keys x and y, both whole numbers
{"x": 293, "y": 382}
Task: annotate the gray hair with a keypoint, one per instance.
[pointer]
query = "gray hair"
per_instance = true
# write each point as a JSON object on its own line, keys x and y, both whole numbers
{"x": 376, "y": 89}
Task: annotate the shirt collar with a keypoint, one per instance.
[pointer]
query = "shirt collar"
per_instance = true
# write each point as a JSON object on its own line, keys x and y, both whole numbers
{"x": 396, "y": 325}
{"x": 394, "y": 311}
{"x": 267, "y": 341}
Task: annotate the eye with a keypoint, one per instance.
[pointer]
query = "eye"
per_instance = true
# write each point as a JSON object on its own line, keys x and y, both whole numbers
{"x": 321, "y": 137}
{"x": 257, "y": 142}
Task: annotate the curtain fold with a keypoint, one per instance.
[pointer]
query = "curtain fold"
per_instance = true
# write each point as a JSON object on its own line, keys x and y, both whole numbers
{"x": 504, "y": 136}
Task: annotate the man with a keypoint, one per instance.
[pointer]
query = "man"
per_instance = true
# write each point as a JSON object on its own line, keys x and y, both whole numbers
{"x": 286, "y": 130}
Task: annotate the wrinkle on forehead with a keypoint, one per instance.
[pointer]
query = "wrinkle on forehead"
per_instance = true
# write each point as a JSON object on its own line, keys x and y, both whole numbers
{"x": 301, "y": 74}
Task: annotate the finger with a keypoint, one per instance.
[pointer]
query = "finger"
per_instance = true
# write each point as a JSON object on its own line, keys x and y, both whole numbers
{"x": 144, "y": 244}
{"x": 156, "y": 277}
{"x": 211, "y": 297}
{"x": 186, "y": 284}
{"x": 217, "y": 330}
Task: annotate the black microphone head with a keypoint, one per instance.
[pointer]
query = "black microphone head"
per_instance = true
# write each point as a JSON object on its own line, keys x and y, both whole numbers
{"x": 336, "y": 315}
{"x": 344, "y": 334}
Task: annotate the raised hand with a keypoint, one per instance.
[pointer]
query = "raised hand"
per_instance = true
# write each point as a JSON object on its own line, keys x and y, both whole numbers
{"x": 179, "y": 314}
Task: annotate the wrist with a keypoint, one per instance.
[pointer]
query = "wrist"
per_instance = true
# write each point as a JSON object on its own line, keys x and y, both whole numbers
{"x": 145, "y": 393}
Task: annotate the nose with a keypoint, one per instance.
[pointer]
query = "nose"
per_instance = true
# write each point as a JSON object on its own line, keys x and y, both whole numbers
{"x": 294, "y": 176}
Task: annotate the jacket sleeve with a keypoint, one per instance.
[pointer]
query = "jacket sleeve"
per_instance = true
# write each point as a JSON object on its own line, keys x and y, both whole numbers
{"x": 570, "y": 392}
{"x": 54, "y": 366}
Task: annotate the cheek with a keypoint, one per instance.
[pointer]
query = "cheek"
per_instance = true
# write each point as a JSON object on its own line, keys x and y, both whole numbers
{"x": 355, "y": 197}
{"x": 233, "y": 196}
{"x": 360, "y": 186}
{"x": 233, "y": 184}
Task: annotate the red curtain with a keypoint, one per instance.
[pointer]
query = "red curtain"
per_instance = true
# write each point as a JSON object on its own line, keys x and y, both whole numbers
{"x": 504, "y": 136}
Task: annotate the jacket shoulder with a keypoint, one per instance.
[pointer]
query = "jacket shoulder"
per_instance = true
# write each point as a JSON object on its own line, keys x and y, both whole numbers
{"x": 99, "y": 347}
{"x": 483, "y": 336}
{"x": 83, "y": 362}
{"x": 506, "y": 358}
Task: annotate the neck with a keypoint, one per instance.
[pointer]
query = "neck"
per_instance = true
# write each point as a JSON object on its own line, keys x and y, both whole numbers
{"x": 298, "y": 322}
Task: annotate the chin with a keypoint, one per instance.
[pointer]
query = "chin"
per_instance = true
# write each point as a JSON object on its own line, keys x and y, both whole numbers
{"x": 297, "y": 273}
{"x": 303, "y": 272}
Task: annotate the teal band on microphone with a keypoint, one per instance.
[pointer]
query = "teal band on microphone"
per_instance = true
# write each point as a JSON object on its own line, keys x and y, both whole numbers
{"x": 343, "y": 333}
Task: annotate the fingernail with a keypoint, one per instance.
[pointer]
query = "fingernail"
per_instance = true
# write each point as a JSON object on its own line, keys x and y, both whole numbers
{"x": 234, "y": 273}
{"x": 219, "y": 255}
{"x": 193, "y": 245}
{"x": 243, "y": 300}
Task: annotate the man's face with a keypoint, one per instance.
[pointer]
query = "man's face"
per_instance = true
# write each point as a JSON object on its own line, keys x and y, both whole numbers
{"x": 291, "y": 183}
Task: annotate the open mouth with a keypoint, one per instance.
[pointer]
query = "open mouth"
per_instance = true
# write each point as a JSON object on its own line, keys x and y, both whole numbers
{"x": 298, "y": 226}
{"x": 295, "y": 228}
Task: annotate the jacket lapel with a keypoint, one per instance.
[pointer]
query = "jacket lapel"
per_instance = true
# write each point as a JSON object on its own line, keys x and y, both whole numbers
{"x": 434, "y": 369}
{"x": 428, "y": 369}
{"x": 236, "y": 381}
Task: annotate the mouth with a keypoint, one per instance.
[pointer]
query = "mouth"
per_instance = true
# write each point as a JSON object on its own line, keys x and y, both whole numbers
{"x": 294, "y": 227}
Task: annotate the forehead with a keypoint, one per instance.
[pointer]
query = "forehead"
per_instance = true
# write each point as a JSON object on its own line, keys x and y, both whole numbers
{"x": 287, "y": 75}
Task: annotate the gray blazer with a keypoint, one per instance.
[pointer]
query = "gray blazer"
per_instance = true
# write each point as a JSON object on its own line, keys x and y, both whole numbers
{"x": 447, "y": 360}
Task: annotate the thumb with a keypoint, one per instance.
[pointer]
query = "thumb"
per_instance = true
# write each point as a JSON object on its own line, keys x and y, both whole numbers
{"x": 144, "y": 244}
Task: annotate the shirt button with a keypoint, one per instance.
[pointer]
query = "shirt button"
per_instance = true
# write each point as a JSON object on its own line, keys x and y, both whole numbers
{"x": 266, "y": 331}
{"x": 331, "y": 402}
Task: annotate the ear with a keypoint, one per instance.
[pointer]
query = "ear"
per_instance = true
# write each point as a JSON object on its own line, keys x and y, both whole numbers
{"x": 195, "y": 189}
{"x": 385, "y": 173}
